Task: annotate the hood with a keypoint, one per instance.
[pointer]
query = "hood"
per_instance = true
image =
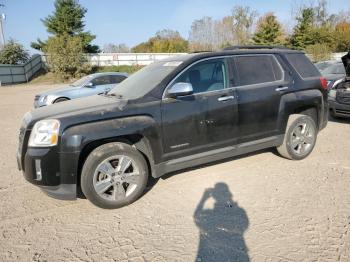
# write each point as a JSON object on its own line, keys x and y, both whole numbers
{"x": 346, "y": 62}
{"x": 59, "y": 90}
{"x": 96, "y": 104}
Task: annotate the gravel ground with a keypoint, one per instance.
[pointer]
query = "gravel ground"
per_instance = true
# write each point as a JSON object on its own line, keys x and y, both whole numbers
{"x": 258, "y": 207}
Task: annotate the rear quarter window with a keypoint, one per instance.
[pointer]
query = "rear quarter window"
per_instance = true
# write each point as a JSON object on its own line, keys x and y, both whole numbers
{"x": 257, "y": 69}
{"x": 302, "y": 65}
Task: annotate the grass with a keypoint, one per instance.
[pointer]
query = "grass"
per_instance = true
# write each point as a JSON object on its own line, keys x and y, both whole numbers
{"x": 45, "y": 77}
{"x": 122, "y": 68}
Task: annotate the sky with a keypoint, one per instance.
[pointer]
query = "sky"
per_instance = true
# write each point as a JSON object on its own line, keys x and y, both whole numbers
{"x": 134, "y": 21}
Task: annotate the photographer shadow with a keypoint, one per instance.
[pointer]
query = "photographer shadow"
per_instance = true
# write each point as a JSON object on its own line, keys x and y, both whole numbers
{"x": 221, "y": 228}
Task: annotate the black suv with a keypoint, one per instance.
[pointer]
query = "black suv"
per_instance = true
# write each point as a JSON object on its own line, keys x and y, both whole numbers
{"x": 174, "y": 114}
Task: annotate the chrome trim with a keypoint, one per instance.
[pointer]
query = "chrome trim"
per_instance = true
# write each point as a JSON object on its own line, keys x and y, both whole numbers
{"x": 225, "y": 98}
{"x": 281, "y": 88}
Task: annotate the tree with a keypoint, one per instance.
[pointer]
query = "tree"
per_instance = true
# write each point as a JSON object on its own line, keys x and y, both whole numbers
{"x": 235, "y": 29}
{"x": 165, "y": 41}
{"x": 65, "y": 56}
{"x": 342, "y": 37}
{"x": 202, "y": 35}
{"x": 243, "y": 20}
{"x": 116, "y": 48}
{"x": 13, "y": 54}
{"x": 67, "y": 19}
{"x": 269, "y": 31}
{"x": 301, "y": 36}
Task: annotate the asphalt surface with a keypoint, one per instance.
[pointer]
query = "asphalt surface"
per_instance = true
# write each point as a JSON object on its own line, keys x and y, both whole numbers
{"x": 257, "y": 207}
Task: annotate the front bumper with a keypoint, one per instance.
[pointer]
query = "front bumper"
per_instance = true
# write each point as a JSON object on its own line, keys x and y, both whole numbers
{"x": 338, "y": 109}
{"x": 43, "y": 168}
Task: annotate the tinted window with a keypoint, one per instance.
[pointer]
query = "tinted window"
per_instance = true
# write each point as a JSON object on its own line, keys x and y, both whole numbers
{"x": 257, "y": 69}
{"x": 101, "y": 80}
{"x": 115, "y": 79}
{"x": 302, "y": 65}
{"x": 205, "y": 76}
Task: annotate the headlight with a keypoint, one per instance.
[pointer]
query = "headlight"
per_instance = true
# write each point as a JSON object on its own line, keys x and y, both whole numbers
{"x": 43, "y": 99}
{"x": 44, "y": 133}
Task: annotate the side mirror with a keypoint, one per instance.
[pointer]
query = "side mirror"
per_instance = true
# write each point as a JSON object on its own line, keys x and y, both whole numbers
{"x": 180, "y": 89}
{"x": 90, "y": 84}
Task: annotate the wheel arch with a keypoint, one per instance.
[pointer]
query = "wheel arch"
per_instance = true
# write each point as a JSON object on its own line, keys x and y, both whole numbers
{"x": 307, "y": 102}
{"x": 61, "y": 97}
{"x": 138, "y": 141}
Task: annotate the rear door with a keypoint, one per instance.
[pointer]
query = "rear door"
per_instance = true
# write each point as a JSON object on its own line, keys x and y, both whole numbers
{"x": 261, "y": 81}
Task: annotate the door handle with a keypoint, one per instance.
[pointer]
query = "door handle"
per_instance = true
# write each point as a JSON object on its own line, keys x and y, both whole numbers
{"x": 225, "y": 98}
{"x": 282, "y": 88}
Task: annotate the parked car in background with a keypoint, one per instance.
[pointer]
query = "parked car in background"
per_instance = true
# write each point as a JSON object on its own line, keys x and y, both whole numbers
{"x": 339, "y": 94}
{"x": 333, "y": 71}
{"x": 87, "y": 86}
{"x": 324, "y": 64}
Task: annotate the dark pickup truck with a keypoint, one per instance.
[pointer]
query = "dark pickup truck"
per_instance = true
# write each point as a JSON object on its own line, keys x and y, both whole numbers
{"x": 171, "y": 115}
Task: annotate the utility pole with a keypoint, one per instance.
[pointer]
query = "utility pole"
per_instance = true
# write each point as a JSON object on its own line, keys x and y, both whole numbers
{"x": 2, "y": 35}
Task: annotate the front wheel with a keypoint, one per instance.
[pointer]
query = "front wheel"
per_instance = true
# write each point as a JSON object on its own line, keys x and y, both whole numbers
{"x": 114, "y": 175}
{"x": 300, "y": 137}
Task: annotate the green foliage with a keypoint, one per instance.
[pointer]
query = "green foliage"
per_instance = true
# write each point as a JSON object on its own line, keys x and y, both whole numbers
{"x": 121, "y": 68}
{"x": 342, "y": 37}
{"x": 269, "y": 31}
{"x": 319, "y": 52}
{"x": 65, "y": 56}
{"x": 13, "y": 54}
{"x": 67, "y": 19}
{"x": 302, "y": 33}
{"x": 165, "y": 41}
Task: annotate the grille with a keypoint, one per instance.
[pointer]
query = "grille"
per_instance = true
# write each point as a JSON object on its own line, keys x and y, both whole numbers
{"x": 343, "y": 97}
{"x": 342, "y": 111}
{"x": 37, "y": 97}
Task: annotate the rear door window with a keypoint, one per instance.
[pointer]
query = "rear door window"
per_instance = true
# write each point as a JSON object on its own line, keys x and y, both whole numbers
{"x": 302, "y": 65}
{"x": 101, "y": 80}
{"x": 257, "y": 69}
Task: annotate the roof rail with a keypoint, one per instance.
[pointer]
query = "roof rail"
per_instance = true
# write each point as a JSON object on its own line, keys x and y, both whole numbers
{"x": 238, "y": 47}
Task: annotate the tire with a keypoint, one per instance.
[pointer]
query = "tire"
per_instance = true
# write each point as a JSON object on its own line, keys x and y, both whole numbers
{"x": 61, "y": 99}
{"x": 300, "y": 137}
{"x": 114, "y": 175}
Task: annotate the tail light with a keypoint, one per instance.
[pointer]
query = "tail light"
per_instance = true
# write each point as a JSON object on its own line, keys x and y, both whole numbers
{"x": 324, "y": 83}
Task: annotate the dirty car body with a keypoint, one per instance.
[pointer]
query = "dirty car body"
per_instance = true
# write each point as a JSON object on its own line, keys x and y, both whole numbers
{"x": 89, "y": 85}
{"x": 231, "y": 116}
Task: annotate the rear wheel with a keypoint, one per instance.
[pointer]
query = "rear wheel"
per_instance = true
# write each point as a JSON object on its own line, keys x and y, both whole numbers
{"x": 300, "y": 137}
{"x": 114, "y": 175}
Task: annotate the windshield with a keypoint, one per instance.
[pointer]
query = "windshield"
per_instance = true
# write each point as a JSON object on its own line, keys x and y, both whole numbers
{"x": 334, "y": 69}
{"x": 143, "y": 81}
{"x": 82, "y": 81}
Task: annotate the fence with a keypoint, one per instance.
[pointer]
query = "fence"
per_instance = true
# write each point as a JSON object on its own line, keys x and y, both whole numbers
{"x": 14, "y": 74}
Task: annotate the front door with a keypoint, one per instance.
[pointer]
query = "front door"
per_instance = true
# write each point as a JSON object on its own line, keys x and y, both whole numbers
{"x": 204, "y": 120}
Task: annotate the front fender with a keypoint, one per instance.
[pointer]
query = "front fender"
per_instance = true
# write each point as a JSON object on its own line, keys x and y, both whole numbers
{"x": 74, "y": 139}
